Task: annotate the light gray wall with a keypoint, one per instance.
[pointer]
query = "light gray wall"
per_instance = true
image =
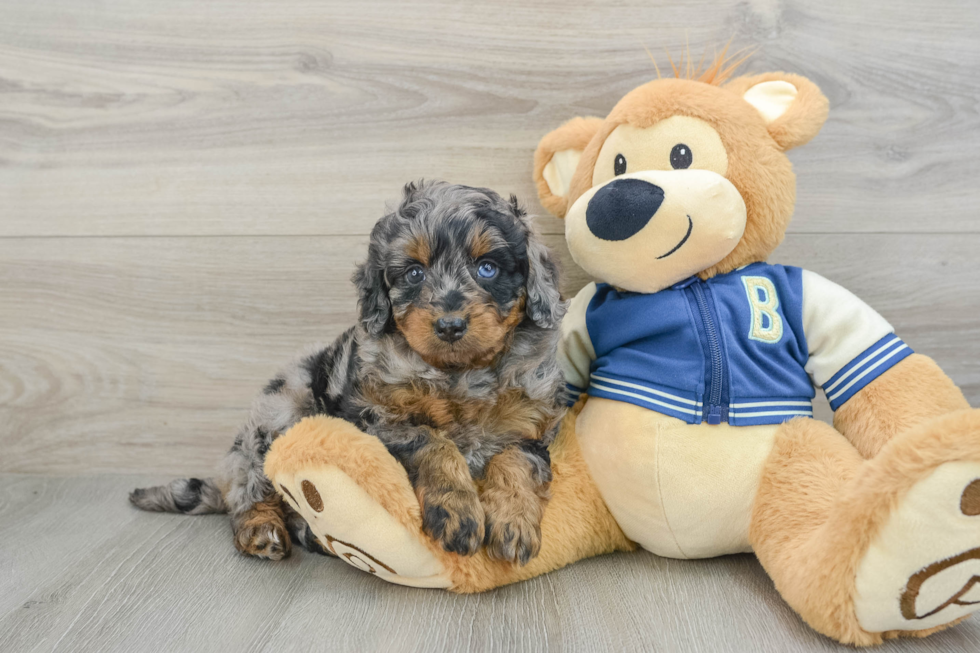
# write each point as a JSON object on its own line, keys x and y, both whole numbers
{"x": 185, "y": 186}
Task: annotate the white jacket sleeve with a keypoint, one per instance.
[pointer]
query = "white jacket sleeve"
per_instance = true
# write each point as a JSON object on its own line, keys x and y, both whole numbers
{"x": 849, "y": 343}
{"x": 575, "y": 351}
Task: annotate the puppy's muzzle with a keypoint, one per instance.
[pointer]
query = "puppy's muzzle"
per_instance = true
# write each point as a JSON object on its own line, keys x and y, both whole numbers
{"x": 450, "y": 328}
{"x": 621, "y": 208}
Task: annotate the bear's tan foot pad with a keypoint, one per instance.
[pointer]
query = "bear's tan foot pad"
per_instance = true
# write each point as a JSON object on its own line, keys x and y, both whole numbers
{"x": 357, "y": 500}
{"x": 923, "y": 568}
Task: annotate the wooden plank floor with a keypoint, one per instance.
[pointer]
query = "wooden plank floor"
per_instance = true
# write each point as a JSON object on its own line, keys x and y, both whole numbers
{"x": 116, "y": 579}
{"x": 185, "y": 187}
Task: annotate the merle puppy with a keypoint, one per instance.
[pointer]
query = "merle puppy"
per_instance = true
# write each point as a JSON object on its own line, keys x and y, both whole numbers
{"x": 452, "y": 366}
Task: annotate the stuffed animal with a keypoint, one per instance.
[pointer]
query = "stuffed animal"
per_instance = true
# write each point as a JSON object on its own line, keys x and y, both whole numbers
{"x": 699, "y": 360}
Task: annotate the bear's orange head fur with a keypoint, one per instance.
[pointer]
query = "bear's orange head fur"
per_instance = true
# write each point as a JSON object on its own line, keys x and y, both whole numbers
{"x": 682, "y": 177}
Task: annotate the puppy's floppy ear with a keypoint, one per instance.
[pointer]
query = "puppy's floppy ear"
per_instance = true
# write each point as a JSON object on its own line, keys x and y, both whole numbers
{"x": 372, "y": 291}
{"x": 792, "y": 106}
{"x": 556, "y": 159}
{"x": 543, "y": 303}
{"x": 412, "y": 193}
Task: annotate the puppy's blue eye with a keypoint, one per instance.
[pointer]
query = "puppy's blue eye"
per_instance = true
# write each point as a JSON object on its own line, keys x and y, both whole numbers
{"x": 487, "y": 270}
{"x": 415, "y": 274}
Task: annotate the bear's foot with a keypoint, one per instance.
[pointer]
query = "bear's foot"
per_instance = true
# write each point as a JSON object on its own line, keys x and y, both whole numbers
{"x": 359, "y": 504}
{"x": 351, "y": 525}
{"x": 922, "y": 570}
{"x": 357, "y": 501}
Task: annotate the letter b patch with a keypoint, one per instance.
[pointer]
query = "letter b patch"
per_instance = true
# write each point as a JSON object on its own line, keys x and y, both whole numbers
{"x": 767, "y": 325}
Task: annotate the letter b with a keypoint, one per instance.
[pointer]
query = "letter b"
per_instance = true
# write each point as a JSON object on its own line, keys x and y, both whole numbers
{"x": 767, "y": 325}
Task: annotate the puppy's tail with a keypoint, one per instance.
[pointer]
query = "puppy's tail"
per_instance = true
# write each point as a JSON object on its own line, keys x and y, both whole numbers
{"x": 191, "y": 496}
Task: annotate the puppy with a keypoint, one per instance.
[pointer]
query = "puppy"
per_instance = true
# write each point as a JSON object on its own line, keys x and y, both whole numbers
{"x": 452, "y": 366}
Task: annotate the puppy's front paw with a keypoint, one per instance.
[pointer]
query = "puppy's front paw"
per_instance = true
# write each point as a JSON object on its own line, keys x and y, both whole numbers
{"x": 263, "y": 539}
{"x": 454, "y": 518}
{"x": 513, "y": 529}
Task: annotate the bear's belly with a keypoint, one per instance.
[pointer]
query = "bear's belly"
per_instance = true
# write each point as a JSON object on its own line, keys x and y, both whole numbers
{"x": 679, "y": 490}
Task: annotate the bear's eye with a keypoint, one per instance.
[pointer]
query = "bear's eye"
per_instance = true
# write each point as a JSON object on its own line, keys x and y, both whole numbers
{"x": 680, "y": 157}
{"x": 619, "y": 165}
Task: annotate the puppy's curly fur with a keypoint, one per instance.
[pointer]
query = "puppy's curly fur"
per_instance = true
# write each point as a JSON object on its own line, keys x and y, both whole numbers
{"x": 452, "y": 366}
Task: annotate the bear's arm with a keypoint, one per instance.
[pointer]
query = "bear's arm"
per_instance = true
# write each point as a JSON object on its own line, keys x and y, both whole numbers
{"x": 575, "y": 350}
{"x": 877, "y": 387}
{"x": 849, "y": 343}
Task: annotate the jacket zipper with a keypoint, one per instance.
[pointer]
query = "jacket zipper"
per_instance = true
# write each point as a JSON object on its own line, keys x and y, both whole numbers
{"x": 716, "y": 413}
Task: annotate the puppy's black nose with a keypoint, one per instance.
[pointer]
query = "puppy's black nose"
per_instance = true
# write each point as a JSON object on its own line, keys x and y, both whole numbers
{"x": 622, "y": 207}
{"x": 450, "y": 329}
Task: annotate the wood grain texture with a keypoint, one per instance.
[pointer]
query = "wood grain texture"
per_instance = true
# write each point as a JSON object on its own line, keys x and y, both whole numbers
{"x": 136, "y": 118}
{"x": 84, "y": 571}
{"x": 185, "y": 188}
{"x": 142, "y": 354}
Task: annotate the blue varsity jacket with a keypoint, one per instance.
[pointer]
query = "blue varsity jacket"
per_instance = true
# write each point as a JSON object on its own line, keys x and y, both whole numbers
{"x": 744, "y": 347}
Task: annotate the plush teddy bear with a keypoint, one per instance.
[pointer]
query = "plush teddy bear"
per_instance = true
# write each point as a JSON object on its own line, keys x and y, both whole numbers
{"x": 699, "y": 361}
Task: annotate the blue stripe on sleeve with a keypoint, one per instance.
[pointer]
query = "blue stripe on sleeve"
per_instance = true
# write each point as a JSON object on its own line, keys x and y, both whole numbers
{"x": 574, "y": 392}
{"x": 865, "y": 368}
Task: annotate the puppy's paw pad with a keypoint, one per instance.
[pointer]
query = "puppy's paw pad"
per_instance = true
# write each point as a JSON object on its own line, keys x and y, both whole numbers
{"x": 455, "y": 519}
{"x": 264, "y": 540}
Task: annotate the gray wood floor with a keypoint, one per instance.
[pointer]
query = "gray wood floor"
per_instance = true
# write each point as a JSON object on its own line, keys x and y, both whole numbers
{"x": 83, "y": 572}
{"x": 185, "y": 187}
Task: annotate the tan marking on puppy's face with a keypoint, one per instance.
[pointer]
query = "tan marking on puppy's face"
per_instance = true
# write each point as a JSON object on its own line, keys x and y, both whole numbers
{"x": 490, "y": 330}
{"x": 481, "y": 242}
{"x": 419, "y": 250}
{"x": 487, "y": 334}
{"x": 458, "y": 286}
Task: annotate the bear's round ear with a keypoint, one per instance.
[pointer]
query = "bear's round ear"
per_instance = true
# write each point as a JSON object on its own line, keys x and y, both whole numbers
{"x": 556, "y": 159}
{"x": 793, "y": 107}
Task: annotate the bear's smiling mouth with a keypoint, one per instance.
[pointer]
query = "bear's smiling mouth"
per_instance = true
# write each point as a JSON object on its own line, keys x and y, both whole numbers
{"x": 690, "y": 227}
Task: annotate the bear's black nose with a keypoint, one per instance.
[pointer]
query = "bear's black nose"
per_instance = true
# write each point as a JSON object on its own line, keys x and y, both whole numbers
{"x": 622, "y": 207}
